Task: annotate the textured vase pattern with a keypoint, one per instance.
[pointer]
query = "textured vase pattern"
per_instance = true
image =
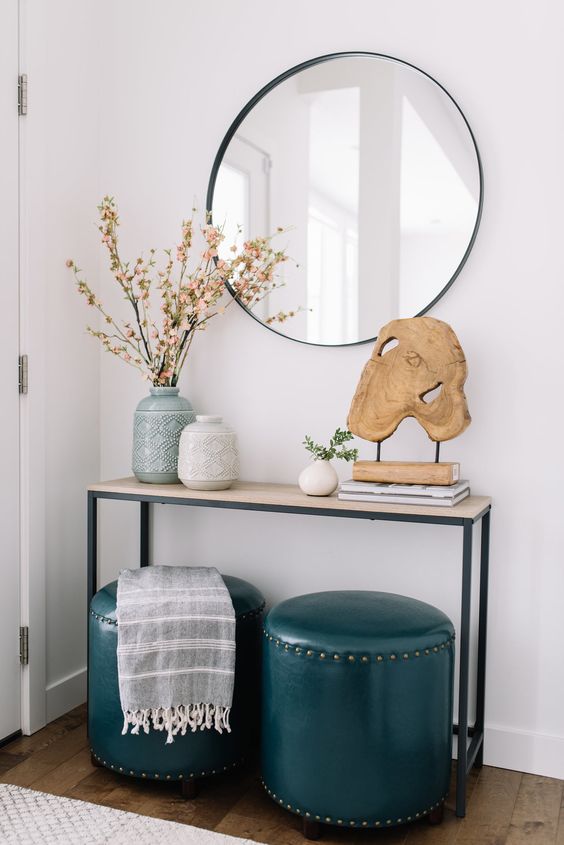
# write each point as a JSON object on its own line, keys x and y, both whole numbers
{"x": 158, "y": 423}
{"x": 209, "y": 458}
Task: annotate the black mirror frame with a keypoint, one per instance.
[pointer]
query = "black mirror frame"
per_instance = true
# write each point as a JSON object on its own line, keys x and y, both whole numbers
{"x": 292, "y": 72}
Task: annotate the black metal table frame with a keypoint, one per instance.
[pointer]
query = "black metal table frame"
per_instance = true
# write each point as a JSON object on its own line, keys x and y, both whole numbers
{"x": 471, "y": 752}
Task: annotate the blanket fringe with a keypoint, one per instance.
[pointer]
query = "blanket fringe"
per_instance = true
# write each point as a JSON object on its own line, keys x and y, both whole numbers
{"x": 176, "y": 720}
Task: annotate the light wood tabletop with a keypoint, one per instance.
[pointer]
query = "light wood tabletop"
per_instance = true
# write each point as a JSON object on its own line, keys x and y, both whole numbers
{"x": 283, "y": 496}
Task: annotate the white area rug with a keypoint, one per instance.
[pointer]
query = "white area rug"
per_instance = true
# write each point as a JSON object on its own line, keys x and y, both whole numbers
{"x": 28, "y": 817}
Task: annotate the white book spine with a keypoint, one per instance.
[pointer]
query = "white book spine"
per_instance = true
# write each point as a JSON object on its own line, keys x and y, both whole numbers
{"x": 430, "y": 492}
{"x": 403, "y": 500}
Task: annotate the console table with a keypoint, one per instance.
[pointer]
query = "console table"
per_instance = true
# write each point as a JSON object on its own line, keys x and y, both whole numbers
{"x": 285, "y": 498}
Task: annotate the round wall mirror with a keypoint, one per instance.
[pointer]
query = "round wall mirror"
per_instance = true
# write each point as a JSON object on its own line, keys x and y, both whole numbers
{"x": 371, "y": 169}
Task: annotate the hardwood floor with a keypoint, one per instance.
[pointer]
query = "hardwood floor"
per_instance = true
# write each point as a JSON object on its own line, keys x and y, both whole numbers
{"x": 504, "y": 807}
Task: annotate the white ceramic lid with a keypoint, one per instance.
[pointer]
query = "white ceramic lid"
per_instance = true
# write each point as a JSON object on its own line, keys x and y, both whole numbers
{"x": 213, "y": 424}
{"x": 209, "y": 418}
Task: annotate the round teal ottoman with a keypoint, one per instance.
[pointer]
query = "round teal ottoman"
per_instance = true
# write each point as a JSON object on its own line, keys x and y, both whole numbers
{"x": 194, "y": 755}
{"x": 357, "y": 709}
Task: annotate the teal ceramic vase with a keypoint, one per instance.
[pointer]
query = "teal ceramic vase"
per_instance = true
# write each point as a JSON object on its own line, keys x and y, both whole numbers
{"x": 157, "y": 426}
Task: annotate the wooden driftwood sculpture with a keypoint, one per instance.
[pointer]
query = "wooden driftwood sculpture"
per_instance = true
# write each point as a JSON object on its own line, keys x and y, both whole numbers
{"x": 398, "y": 379}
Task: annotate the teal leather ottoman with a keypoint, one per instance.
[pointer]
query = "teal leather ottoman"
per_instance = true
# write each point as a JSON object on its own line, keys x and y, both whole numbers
{"x": 357, "y": 709}
{"x": 194, "y": 755}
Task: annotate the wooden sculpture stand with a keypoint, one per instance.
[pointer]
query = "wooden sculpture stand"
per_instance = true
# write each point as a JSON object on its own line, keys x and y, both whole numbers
{"x": 401, "y": 472}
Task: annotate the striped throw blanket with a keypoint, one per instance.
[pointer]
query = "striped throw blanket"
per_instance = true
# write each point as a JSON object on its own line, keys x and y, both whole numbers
{"x": 176, "y": 649}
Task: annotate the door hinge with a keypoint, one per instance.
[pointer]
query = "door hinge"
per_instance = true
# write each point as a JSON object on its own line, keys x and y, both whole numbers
{"x": 22, "y": 93}
{"x": 24, "y": 645}
{"x": 23, "y": 374}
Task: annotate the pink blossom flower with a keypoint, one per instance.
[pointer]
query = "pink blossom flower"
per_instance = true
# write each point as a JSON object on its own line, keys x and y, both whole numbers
{"x": 187, "y": 299}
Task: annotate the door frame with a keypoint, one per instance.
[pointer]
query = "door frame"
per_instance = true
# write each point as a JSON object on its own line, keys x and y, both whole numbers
{"x": 33, "y": 489}
{"x": 10, "y": 304}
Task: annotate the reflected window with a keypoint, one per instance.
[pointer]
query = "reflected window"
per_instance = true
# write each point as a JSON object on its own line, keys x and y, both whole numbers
{"x": 332, "y": 255}
{"x": 332, "y": 244}
{"x": 437, "y": 206}
{"x": 231, "y": 206}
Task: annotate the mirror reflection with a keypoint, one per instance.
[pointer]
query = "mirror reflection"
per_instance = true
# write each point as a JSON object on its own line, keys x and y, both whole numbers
{"x": 370, "y": 168}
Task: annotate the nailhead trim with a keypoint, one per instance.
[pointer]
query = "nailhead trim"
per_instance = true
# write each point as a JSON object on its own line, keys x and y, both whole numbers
{"x": 353, "y": 822}
{"x": 156, "y": 776}
{"x": 252, "y": 613}
{"x": 353, "y": 658}
{"x": 103, "y": 618}
{"x": 249, "y": 615}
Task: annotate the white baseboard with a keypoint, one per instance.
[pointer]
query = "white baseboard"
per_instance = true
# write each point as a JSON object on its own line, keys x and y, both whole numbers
{"x": 524, "y": 751}
{"x": 66, "y": 693}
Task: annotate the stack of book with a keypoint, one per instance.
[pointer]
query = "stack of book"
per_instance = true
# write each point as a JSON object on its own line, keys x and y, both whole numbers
{"x": 404, "y": 494}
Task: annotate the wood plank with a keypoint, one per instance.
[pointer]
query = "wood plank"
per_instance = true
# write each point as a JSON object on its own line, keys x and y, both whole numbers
{"x": 8, "y": 761}
{"x": 489, "y": 813}
{"x": 61, "y": 779}
{"x": 259, "y": 830}
{"x": 256, "y": 804}
{"x": 42, "y": 762}
{"x": 286, "y": 495}
{"x": 257, "y": 817}
{"x": 96, "y": 786}
{"x": 535, "y": 817}
{"x": 164, "y": 801}
{"x": 288, "y": 831}
{"x": 560, "y": 832}
{"x": 422, "y": 833}
{"x": 50, "y": 733}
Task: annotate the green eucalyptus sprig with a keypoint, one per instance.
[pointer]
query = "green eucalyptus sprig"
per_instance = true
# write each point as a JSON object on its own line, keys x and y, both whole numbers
{"x": 336, "y": 448}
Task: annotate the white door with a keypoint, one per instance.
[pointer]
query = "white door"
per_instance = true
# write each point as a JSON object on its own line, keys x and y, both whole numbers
{"x": 9, "y": 401}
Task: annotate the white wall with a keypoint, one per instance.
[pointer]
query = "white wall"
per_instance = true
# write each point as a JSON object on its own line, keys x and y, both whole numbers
{"x": 169, "y": 95}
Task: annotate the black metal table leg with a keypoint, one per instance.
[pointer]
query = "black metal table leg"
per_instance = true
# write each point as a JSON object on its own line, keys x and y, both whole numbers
{"x": 92, "y": 547}
{"x": 144, "y": 534}
{"x": 482, "y": 634}
{"x": 461, "y": 766}
{"x": 91, "y": 573}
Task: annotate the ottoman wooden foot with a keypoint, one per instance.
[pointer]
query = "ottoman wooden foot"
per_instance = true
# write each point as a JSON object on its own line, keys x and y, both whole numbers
{"x": 311, "y": 830}
{"x": 436, "y": 815}
{"x": 95, "y": 762}
{"x": 189, "y": 789}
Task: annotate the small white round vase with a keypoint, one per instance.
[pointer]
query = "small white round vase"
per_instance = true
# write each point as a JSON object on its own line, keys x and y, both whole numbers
{"x": 318, "y": 479}
{"x": 208, "y": 458}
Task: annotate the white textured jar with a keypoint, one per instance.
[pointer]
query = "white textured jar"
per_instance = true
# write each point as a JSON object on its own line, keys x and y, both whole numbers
{"x": 208, "y": 458}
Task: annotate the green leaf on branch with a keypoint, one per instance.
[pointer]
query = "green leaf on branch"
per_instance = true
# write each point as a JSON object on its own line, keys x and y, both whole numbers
{"x": 335, "y": 449}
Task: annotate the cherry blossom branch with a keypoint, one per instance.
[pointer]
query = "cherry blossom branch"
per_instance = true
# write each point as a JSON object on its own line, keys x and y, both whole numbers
{"x": 159, "y": 348}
